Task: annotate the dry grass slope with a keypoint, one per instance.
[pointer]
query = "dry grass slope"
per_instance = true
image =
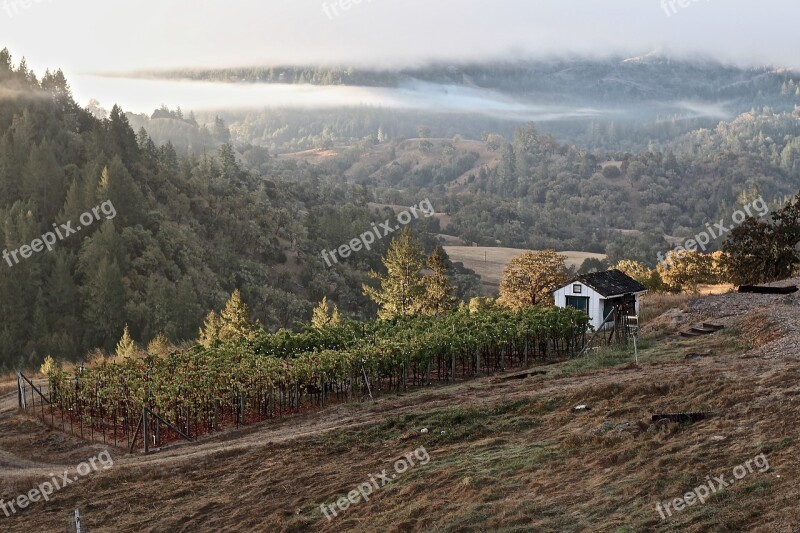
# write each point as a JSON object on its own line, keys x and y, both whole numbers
{"x": 489, "y": 263}
{"x": 506, "y": 454}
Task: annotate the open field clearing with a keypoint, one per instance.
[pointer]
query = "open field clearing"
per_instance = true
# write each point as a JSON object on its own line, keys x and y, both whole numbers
{"x": 443, "y": 218}
{"x": 506, "y": 454}
{"x": 489, "y": 263}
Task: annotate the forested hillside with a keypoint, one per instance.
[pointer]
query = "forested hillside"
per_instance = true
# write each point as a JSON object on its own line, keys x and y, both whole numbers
{"x": 188, "y": 231}
{"x": 532, "y": 191}
{"x": 206, "y": 214}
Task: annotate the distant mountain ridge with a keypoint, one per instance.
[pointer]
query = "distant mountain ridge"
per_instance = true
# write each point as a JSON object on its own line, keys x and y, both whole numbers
{"x": 652, "y": 76}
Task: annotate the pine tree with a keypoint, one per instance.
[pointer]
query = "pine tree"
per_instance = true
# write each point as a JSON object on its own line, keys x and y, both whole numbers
{"x": 75, "y": 204}
{"x": 48, "y": 366}
{"x": 11, "y": 171}
{"x": 159, "y": 345}
{"x": 402, "y": 289}
{"x": 185, "y": 313}
{"x": 235, "y": 319}
{"x": 325, "y": 315}
{"x": 336, "y": 318}
{"x": 321, "y": 315}
{"x": 121, "y": 136}
{"x": 438, "y": 289}
{"x": 104, "y": 303}
{"x": 125, "y": 347}
{"x": 44, "y": 181}
{"x": 117, "y": 185}
{"x": 209, "y": 333}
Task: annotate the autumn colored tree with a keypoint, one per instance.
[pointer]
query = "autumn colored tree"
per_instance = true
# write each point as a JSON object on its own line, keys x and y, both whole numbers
{"x": 529, "y": 279}
{"x": 325, "y": 315}
{"x": 686, "y": 269}
{"x": 209, "y": 332}
{"x": 649, "y": 277}
{"x": 235, "y": 319}
{"x": 635, "y": 269}
{"x": 481, "y": 303}
{"x": 159, "y": 345}
{"x": 126, "y": 347}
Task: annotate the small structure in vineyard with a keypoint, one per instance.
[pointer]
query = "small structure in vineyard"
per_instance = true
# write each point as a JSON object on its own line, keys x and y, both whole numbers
{"x": 610, "y": 298}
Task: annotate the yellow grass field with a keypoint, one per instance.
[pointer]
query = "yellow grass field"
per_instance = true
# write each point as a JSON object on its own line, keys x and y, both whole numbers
{"x": 489, "y": 263}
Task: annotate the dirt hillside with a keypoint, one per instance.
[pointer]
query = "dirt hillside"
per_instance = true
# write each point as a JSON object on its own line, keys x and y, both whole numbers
{"x": 506, "y": 453}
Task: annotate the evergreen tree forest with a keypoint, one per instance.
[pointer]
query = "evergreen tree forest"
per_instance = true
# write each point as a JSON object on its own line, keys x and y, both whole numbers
{"x": 189, "y": 231}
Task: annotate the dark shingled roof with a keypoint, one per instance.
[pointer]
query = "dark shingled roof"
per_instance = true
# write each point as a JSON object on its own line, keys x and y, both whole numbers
{"x": 610, "y": 283}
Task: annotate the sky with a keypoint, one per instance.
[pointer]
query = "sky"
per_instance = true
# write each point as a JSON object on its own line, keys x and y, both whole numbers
{"x": 101, "y": 36}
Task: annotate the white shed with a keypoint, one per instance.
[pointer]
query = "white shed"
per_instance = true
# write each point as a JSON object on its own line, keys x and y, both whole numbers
{"x": 601, "y": 293}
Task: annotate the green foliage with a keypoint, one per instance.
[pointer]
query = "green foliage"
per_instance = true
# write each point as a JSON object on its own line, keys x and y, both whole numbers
{"x": 381, "y": 349}
{"x": 611, "y": 172}
{"x": 592, "y": 264}
{"x": 438, "y": 288}
{"x": 763, "y": 251}
{"x": 685, "y": 269}
{"x": 202, "y": 212}
{"x": 403, "y": 289}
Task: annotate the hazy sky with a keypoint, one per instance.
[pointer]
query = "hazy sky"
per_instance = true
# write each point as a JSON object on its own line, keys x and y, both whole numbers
{"x": 96, "y": 36}
{"x": 104, "y": 35}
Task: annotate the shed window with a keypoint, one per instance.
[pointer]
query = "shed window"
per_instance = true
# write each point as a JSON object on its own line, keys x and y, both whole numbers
{"x": 581, "y": 303}
{"x": 577, "y": 288}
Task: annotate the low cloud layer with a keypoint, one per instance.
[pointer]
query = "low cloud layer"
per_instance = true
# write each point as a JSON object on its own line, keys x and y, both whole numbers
{"x": 96, "y": 36}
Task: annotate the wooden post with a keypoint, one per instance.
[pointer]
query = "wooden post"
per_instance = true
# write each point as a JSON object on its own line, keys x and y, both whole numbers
{"x": 526, "y": 352}
{"x": 366, "y": 380}
{"x": 19, "y": 388}
{"x": 146, "y": 431}
{"x": 74, "y": 522}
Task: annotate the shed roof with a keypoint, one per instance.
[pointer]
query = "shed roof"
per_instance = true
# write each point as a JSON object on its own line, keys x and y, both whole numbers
{"x": 610, "y": 283}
